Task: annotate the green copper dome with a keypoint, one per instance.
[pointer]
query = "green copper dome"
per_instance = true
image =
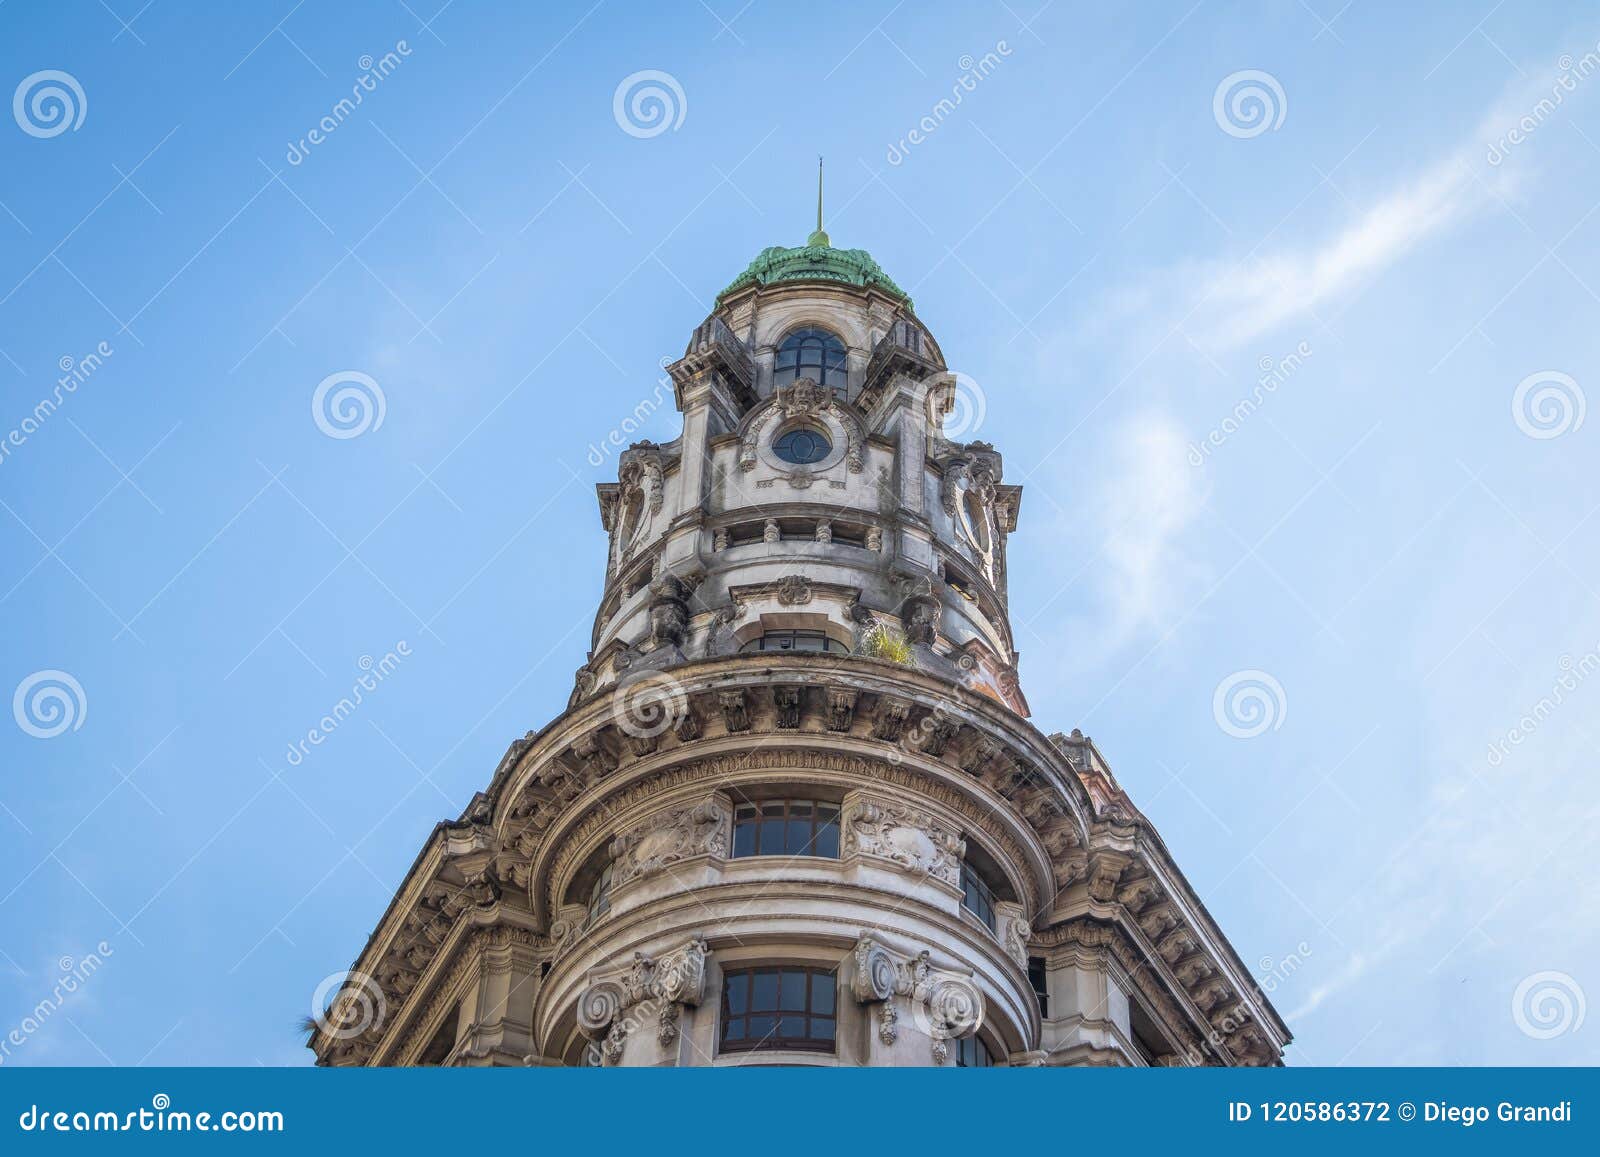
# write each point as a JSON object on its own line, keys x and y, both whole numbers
{"x": 816, "y": 261}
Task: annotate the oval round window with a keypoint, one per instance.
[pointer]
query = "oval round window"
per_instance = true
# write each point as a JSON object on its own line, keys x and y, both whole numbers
{"x": 802, "y": 446}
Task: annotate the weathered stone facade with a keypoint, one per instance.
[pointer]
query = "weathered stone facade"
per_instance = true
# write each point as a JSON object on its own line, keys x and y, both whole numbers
{"x": 829, "y": 628}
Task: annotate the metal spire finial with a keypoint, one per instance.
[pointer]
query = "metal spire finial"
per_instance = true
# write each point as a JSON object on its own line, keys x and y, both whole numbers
{"x": 819, "y": 237}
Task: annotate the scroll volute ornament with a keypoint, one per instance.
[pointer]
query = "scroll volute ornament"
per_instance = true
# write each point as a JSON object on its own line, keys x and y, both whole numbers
{"x": 617, "y": 1002}
{"x": 946, "y": 1005}
{"x": 876, "y": 973}
{"x": 1015, "y": 930}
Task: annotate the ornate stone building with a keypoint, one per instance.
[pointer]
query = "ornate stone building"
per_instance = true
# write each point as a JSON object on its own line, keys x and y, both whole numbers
{"x": 795, "y": 811}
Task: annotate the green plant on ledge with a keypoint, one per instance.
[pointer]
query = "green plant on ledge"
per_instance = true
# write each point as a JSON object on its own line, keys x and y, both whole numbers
{"x": 887, "y": 643}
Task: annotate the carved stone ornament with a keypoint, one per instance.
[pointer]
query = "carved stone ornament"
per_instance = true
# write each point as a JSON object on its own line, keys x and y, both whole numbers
{"x": 669, "y": 608}
{"x": 786, "y": 702}
{"x": 620, "y": 1000}
{"x": 891, "y": 720}
{"x": 735, "y": 711}
{"x": 1014, "y": 930}
{"x": 919, "y": 609}
{"x": 582, "y": 687}
{"x": 946, "y": 1005}
{"x": 641, "y": 465}
{"x": 841, "y": 707}
{"x": 915, "y": 840}
{"x": 668, "y": 838}
{"x": 793, "y": 590}
{"x": 803, "y": 400}
{"x": 717, "y": 635}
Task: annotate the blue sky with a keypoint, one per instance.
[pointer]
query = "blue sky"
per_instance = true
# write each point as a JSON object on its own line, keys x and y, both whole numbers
{"x": 1109, "y": 264}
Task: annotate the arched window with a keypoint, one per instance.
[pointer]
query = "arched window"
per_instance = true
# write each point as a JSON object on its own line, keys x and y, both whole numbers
{"x": 796, "y": 641}
{"x": 810, "y": 353}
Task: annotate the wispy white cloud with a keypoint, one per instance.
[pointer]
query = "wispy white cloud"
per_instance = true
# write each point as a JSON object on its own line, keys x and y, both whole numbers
{"x": 1145, "y": 500}
{"x": 1242, "y": 301}
{"x": 1226, "y": 302}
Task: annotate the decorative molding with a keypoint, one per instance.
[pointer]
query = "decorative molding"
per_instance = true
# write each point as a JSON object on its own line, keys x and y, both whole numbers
{"x": 912, "y": 838}
{"x": 948, "y": 1005}
{"x": 670, "y": 837}
{"x": 841, "y": 708}
{"x": 793, "y": 590}
{"x": 718, "y": 769}
{"x": 735, "y": 710}
{"x": 663, "y": 985}
{"x": 1015, "y": 930}
{"x": 786, "y": 701}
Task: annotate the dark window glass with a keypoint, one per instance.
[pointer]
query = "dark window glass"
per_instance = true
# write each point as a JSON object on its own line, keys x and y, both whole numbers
{"x": 827, "y": 841}
{"x": 786, "y": 827}
{"x": 600, "y": 894}
{"x": 822, "y": 993}
{"x": 802, "y": 446}
{"x": 972, "y": 1053}
{"x": 778, "y": 1008}
{"x": 810, "y": 353}
{"x": 796, "y": 641}
{"x": 1038, "y": 979}
{"x": 977, "y": 896}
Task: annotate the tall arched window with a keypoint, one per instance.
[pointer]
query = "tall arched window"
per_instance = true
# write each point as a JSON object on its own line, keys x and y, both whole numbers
{"x": 810, "y": 353}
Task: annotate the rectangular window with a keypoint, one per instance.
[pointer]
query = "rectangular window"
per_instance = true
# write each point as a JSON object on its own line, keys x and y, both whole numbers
{"x": 1039, "y": 980}
{"x": 778, "y": 1008}
{"x": 786, "y": 827}
{"x": 972, "y": 1053}
{"x": 977, "y": 897}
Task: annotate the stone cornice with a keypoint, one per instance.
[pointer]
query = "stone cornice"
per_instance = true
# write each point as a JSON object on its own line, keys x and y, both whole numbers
{"x": 1047, "y": 809}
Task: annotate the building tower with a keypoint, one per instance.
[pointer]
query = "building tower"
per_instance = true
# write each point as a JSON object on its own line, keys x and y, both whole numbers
{"x": 794, "y": 811}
